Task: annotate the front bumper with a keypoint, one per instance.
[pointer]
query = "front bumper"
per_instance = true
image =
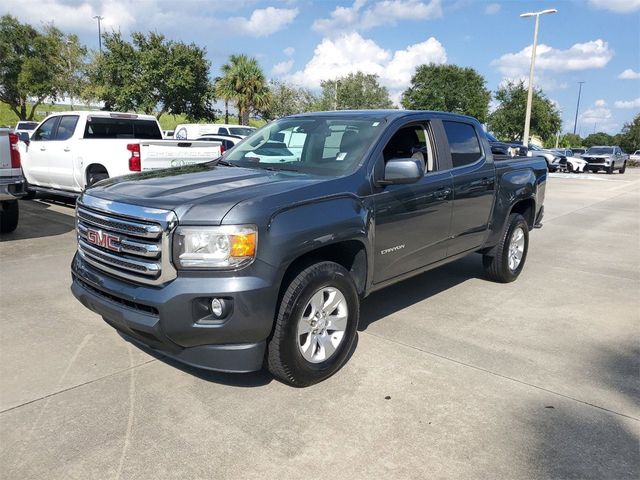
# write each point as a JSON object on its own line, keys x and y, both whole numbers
{"x": 170, "y": 319}
{"x": 12, "y": 187}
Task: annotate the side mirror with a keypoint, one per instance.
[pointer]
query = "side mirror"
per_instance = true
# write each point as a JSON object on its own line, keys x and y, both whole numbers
{"x": 402, "y": 170}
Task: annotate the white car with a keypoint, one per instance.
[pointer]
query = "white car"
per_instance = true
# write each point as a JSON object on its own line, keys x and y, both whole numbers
{"x": 72, "y": 150}
{"x": 191, "y": 131}
{"x": 567, "y": 161}
{"x": 635, "y": 156}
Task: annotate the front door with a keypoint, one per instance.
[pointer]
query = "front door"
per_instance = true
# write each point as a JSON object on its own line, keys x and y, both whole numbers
{"x": 412, "y": 221}
{"x": 36, "y": 162}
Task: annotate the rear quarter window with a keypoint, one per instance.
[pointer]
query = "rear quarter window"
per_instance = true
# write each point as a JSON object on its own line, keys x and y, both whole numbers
{"x": 463, "y": 143}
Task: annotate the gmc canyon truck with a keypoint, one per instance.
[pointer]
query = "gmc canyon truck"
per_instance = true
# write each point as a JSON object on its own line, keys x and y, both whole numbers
{"x": 245, "y": 261}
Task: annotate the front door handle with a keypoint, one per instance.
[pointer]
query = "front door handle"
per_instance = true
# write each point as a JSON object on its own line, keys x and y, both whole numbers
{"x": 42, "y": 149}
{"x": 67, "y": 149}
{"x": 487, "y": 181}
{"x": 442, "y": 193}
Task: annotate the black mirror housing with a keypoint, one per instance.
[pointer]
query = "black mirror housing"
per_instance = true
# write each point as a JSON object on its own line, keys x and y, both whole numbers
{"x": 399, "y": 171}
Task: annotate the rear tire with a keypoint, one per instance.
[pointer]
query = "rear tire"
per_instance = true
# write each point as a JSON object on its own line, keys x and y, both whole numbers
{"x": 9, "y": 214}
{"x": 510, "y": 254}
{"x": 95, "y": 177}
{"x": 308, "y": 316}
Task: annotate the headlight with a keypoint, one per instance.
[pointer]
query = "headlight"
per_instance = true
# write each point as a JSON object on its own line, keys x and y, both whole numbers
{"x": 227, "y": 246}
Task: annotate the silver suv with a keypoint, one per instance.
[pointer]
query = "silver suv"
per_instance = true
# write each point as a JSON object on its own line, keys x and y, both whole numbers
{"x": 605, "y": 158}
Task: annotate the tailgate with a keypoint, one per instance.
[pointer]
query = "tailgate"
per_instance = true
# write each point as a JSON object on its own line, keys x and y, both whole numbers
{"x": 5, "y": 149}
{"x": 159, "y": 154}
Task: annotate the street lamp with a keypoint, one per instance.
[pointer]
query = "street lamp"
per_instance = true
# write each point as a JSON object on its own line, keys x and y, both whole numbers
{"x": 99, "y": 18}
{"x": 527, "y": 118}
{"x": 575, "y": 123}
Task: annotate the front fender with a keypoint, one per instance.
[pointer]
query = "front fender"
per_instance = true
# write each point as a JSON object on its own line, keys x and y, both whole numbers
{"x": 300, "y": 228}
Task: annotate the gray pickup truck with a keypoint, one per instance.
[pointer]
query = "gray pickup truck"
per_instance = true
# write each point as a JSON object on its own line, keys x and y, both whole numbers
{"x": 12, "y": 184}
{"x": 263, "y": 256}
{"x": 605, "y": 158}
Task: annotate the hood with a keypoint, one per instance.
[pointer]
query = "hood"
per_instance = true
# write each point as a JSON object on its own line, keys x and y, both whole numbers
{"x": 201, "y": 193}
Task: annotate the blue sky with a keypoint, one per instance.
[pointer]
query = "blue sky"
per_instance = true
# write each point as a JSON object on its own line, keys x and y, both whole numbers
{"x": 305, "y": 41}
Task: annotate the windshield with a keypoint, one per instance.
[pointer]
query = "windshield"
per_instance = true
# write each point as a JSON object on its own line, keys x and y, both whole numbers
{"x": 316, "y": 145}
{"x": 242, "y": 131}
{"x": 600, "y": 151}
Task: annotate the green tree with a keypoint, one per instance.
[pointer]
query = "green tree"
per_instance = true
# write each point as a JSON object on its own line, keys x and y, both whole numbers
{"x": 36, "y": 64}
{"x": 570, "y": 140}
{"x": 287, "y": 100}
{"x": 448, "y": 88}
{"x": 629, "y": 138}
{"x": 244, "y": 83}
{"x": 598, "y": 138}
{"x": 152, "y": 74}
{"x": 355, "y": 91}
{"x": 508, "y": 119}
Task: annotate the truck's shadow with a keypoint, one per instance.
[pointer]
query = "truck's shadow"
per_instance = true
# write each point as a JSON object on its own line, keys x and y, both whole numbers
{"x": 38, "y": 219}
{"x": 416, "y": 289}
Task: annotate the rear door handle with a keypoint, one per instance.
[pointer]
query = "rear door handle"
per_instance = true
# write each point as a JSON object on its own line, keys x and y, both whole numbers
{"x": 486, "y": 181}
{"x": 67, "y": 149}
{"x": 443, "y": 192}
{"x": 42, "y": 149}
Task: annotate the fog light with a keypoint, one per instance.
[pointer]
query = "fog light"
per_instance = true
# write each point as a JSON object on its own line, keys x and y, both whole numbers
{"x": 217, "y": 307}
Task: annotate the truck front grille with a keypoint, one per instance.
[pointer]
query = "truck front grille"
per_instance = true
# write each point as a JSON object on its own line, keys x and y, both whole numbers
{"x": 125, "y": 241}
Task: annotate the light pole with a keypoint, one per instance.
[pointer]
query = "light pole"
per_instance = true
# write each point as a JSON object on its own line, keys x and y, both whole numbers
{"x": 575, "y": 123}
{"x": 71, "y": 76}
{"x": 99, "y": 18}
{"x": 527, "y": 118}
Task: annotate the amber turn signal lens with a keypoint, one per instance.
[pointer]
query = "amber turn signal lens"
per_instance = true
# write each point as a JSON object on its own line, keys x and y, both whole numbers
{"x": 243, "y": 245}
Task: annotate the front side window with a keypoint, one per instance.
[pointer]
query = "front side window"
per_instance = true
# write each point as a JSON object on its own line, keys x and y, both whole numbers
{"x": 66, "y": 127}
{"x": 463, "y": 143}
{"x": 320, "y": 145}
{"x": 45, "y": 132}
{"x": 411, "y": 141}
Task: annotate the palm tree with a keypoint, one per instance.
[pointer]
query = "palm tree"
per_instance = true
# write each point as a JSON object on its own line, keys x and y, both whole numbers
{"x": 243, "y": 82}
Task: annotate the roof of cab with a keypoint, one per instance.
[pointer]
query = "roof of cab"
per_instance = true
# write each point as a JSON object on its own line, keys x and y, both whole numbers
{"x": 388, "y": 114}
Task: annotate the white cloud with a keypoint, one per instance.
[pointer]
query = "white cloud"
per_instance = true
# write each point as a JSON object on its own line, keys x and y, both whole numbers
{"x": 385, "y": 12}
{"x": 289, "y": 51}
{"x": 618, "y": 6}
{"x": 281, "y": 68}
{"x": 492, "y": 8}
{"x": 635, "y": 103}
{"x": 264, "y": 21}
{"x": 598, "y": 117}
{"x": 629, "y": 74}
{"x": 349, "y": 53}
{"x": 580, "y": 56}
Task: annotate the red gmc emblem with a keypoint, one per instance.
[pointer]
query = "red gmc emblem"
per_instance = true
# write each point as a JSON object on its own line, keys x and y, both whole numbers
{"x": 103, "y": 239}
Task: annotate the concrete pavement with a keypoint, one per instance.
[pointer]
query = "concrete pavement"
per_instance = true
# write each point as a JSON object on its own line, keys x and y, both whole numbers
{"x": 453, "y": 376}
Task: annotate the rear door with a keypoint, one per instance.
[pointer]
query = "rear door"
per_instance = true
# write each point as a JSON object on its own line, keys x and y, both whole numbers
{"x": 412, "y": 221}
{"x": 474, "y": 186}
{"x": 38, "y": 156}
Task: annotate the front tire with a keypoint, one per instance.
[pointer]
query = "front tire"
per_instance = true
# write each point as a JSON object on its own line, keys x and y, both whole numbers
{"x": 510, "y": 254}
{"x": 610, "y": 169}
{"x": 624, "y": 168}
{"x": 316, "y": 325}
{"x": 9, "y": 214}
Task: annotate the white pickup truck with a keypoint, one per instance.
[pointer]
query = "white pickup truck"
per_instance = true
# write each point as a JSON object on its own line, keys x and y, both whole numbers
{"x": 71, "y": 150}
{"x": 11, "y": 180}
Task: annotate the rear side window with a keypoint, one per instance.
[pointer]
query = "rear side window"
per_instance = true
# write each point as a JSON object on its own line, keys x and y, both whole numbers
{"x": 223, "y": 131}
{"x": 66, "y": 127}
{"x": 106, "y": 127}
{"x": 463, "y": 143}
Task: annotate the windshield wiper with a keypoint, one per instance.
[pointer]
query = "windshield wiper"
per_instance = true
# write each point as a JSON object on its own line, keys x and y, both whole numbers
{"x": 224, "y": 163}
{"x": 276, "y": 169}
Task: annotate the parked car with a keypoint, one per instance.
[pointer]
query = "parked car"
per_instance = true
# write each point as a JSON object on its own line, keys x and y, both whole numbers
{"x": 190, "y": 131}
{"x": 506, "y": 149}
{"x": 71, "y": 150}
{"x": 226, "y": 264}
{"x": 12, "y": 184}
{"x": 567, "y": 161}
{"x": 635, "y": 156}
{"x": 605, "y": 158}
{"x": 25, "y": 126}
{"x": 227, "y": 141}
{"x": 549, "y": 155}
